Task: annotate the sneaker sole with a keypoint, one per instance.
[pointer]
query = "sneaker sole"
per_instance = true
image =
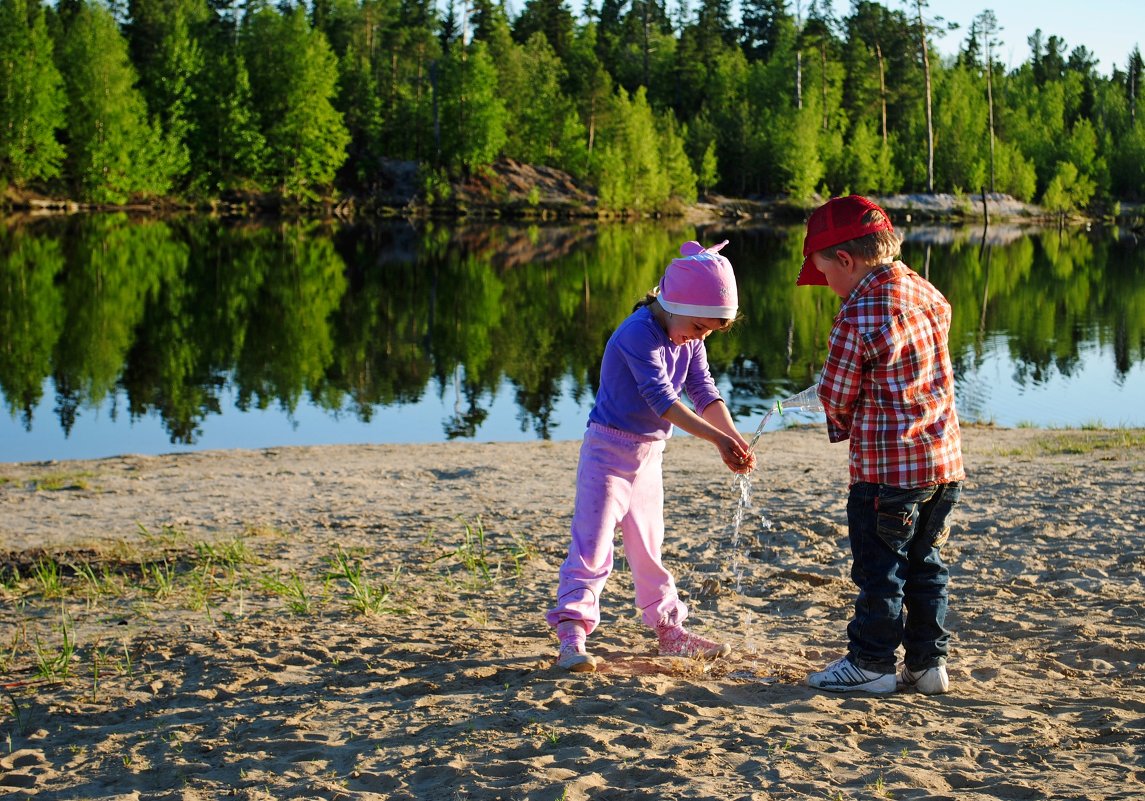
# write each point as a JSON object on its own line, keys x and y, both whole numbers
{"x": 928, "y": 689}
{"x": 869, "y": 687}
{"x": 940, "y": 690}
{"x": 580, "y": 663}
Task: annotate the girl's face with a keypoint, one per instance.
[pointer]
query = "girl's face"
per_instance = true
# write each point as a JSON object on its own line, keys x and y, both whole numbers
{"x": 682, "y": 328}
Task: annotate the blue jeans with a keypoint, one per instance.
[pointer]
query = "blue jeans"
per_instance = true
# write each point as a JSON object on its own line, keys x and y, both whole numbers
{"x": 895, "y": 538}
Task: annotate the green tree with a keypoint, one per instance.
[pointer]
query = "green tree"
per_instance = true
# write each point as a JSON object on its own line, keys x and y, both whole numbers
{"x": 31, "y": 96}
{"x": 407, "y": 68}
{"x": 536, "y": 126}
{"x": 1068, "y": 190}
{"x": 986, "y": 26}
{"x": 293, "y": 75}
{"x": 472, "y": 112}
{"x": 629, "y": 173}
{"x": 550, "y": 18}
{"x": 799, "y": 163}
{"x": 1015, "y": 174}
{"x": 228, "y": 148}
{"x": 961, "y": 132}
{"x": 639, "y": 50}
{"x": 163, "y": 39}
{"x": 861, "y": 168}
{"x": 762, "y": 23}
{"x": 674, "y": 160}
{"x": 708, "y": 174}
{"x": 356, "y": 34}
{"x": 113, "y": 150}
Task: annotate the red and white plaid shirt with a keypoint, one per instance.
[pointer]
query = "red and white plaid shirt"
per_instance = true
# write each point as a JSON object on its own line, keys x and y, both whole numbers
{"x": 887, "y": 383}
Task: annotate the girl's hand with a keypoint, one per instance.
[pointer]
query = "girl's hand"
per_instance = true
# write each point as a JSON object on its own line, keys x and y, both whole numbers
{"x": 736, "y": 455}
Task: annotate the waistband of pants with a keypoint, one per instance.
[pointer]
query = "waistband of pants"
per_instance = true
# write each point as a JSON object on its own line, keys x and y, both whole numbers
{"x": 616, "y": 433}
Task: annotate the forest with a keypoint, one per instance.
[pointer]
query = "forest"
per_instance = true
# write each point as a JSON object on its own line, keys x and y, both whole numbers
{"x": 110, "y": 102}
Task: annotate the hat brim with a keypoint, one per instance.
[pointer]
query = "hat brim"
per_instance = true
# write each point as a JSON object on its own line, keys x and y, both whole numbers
{"x": 810, "y": 275}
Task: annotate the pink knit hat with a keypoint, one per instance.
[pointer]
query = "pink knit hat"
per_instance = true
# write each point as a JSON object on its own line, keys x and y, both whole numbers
{"x": 701, "y": 284}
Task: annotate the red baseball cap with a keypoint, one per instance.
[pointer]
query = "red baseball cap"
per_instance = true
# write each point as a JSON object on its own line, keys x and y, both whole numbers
{"x": 838, "y": 220}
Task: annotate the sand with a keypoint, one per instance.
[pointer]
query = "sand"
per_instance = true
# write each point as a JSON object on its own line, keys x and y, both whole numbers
{"x": 195, "y": 671}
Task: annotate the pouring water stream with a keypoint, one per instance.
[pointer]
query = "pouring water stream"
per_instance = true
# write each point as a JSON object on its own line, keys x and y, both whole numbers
{"x": 806, "y": 401}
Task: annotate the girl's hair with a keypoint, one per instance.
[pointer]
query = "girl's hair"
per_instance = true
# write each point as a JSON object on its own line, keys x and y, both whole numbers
{"x": 647, "y": 300}
{"x": 876, "y": 248}
{"x": 654, "y": 293}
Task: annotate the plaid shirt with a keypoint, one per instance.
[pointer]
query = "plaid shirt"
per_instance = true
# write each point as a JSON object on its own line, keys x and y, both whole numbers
{"x": 887, "y": 383}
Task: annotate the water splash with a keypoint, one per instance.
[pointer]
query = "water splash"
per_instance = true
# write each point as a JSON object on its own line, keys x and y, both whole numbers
{"x": 806, "y": 401}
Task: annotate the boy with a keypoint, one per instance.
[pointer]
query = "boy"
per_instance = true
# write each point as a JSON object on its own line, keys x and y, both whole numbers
{"x": 887, "y": 386}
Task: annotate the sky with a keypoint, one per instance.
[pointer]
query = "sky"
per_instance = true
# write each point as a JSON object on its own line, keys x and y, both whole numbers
{"x": 1108, "y": 28}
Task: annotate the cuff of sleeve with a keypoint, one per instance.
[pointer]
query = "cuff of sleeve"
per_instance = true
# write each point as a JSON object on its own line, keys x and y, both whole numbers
{"x": 664, "y": 405}
{"x": 701, "y": 409}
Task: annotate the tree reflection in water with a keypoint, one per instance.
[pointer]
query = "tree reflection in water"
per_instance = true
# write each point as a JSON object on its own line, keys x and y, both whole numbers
{"x": 174, "y": 315}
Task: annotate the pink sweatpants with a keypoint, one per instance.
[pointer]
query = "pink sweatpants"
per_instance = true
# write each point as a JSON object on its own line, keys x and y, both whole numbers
{"x": 618, "y": 483}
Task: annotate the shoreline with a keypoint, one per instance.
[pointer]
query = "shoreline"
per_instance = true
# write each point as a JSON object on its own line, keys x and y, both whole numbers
{"x": 414, "y": 661}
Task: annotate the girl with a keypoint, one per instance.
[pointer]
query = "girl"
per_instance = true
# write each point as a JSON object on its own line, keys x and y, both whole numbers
{"x": 657, "y": 351}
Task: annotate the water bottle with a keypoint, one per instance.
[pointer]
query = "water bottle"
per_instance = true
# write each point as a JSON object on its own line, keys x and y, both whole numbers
{"x": 805, "y": 401}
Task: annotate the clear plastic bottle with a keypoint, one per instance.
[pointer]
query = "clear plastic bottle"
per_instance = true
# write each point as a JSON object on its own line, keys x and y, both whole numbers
{"x": 805, "y": 401}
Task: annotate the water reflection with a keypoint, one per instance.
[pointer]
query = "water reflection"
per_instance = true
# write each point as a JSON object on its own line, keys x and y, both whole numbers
{"x": 186, "y": 319}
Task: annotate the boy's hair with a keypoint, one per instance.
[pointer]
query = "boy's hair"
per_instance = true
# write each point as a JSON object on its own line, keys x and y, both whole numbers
{"x": 881, "y": 246}
{"x": 654, "y": 293}
{"x": 854, "y": 224}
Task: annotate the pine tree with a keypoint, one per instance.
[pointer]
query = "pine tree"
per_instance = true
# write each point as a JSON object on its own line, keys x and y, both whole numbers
{"x": 923, "y": 32}
{"x": 1133, "y": 75}
{"x": 31, "y": 96}
{"x": 358, "y": 35}
{"x": 589, "y": 85}
{"x": 549, "y": 17}
{"x": 762, "y": 25}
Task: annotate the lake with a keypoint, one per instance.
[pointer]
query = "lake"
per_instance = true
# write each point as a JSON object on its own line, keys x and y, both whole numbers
{"x": 151, "y": 336}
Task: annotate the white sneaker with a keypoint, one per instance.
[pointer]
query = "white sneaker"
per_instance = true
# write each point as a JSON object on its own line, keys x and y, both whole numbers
{"x": 931, "y": 681}
{"x": 574, "y": 658}
{"x": 843, "y": 675}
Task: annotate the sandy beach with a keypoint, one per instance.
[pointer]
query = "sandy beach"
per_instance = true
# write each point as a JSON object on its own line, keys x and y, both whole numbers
{"x": 366, "y": 622}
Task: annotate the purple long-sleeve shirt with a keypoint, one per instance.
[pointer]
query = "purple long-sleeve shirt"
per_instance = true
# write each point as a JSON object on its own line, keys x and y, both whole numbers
{"x": 643, "y": 373}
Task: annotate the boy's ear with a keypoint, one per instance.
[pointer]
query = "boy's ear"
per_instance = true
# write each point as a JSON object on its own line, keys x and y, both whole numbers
{"x": 846, "y": 260}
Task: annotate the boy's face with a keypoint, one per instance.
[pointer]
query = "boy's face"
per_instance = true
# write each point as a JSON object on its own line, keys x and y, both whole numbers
{"x": 842, "y": 270}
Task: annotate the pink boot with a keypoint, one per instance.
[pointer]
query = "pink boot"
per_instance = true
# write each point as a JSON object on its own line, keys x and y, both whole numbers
{"x": 573, "y": 656}
{"x": 678, "y": 641}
